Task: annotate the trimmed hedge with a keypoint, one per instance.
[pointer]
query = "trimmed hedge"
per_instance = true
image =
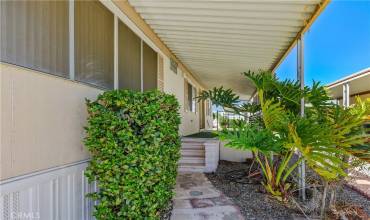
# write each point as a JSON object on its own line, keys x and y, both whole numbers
{"x": 135, "y": 147}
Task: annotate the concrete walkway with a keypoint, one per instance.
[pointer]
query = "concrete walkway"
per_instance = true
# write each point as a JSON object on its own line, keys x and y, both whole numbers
{"x": 197, "y": 199}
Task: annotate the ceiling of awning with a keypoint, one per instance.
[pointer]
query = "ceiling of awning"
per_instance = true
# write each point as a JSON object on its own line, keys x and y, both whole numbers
{"x": 219, "y": 39}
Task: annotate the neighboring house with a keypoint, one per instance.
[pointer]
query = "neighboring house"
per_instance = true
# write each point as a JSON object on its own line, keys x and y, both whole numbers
{"x": 54, "y": 54}
{"x": 350, "y": 87}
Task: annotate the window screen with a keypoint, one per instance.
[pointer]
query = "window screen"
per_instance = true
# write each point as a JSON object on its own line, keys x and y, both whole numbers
{"x": 129, "y": 56}
{"x": 94, "y": 43}
{"x": 173, "y": 65}
{"x": 34, "y": 34}
{"x": 150, "y": 69}
{"x": 191, "y": 97}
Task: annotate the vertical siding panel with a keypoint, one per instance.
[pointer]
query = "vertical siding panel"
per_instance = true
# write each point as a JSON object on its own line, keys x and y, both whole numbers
{"x": 58, "y": 194}
{"x": 52, "y": 200}
{"x": 83, "y": 199}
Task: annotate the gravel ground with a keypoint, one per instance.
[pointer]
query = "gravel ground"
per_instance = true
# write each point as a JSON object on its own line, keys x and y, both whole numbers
{"x": 347, "y": 195}
{"x": 254, "y": 203}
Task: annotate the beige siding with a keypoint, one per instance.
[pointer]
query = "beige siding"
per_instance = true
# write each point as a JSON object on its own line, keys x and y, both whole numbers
{"x": 42, "y": 116}
{"x": 175, "y": 84}
{"x": 352, "y": 99}
{"x": 363, "y": 97}
{"x": 42, "y": 119}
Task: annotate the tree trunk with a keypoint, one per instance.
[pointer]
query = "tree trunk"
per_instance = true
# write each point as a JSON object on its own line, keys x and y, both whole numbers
{"x": 332, "y": 200}
{"x": 323, "y": 202}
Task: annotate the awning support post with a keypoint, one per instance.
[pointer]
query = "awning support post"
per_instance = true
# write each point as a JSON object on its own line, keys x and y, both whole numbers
{"x": 300, "y": 78}
{"x": 346, "y": 95}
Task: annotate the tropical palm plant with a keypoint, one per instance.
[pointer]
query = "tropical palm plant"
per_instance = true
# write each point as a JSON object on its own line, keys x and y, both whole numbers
{"x": 323, "y": 136}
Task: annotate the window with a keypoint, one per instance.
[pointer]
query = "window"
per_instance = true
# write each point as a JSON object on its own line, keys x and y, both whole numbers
{"x": 34, "y": 34}
{"x": 129, "y": 59}
{"x": 190, "y": 93}
{"x": 150, "y": 68}
{"x": 208, "y": 108}
{"x": 94, "y": 33}
{"x": 173, "y": 65}
{"x": 194, "y": 103}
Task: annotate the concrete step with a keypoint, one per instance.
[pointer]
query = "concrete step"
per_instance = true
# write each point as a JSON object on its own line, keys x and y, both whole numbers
{"x": 192, "y": 146}
{"x": 191, "y": 167}
{"x": 192, "y": 142}
{"x": 192, "y": 152}
{"x": 192, "y": 160}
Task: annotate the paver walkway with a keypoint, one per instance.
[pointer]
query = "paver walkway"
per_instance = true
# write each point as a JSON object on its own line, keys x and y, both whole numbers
{"x": 197, "y": 199}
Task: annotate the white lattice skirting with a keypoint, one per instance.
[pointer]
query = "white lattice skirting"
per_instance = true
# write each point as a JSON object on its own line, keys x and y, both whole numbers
{"x": 56, "y": 193}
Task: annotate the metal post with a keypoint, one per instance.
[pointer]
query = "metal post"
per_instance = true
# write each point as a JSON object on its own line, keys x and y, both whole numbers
{"x": 300, "y": 78}
{"x": 346, "y": 95}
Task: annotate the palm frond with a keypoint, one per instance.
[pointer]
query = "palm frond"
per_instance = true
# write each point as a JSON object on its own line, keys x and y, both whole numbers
{"x": 249, "y": 137}
{"x": 220, "y": 97}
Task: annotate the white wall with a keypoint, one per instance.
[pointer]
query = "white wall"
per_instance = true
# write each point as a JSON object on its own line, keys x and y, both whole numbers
{"x": 235, "y": 155}
{"x": 42, "y": 120}
{"x": 174, "y": 84}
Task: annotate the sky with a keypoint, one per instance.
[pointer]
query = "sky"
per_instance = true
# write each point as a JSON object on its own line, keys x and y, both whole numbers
{"x": 336, "y": 45}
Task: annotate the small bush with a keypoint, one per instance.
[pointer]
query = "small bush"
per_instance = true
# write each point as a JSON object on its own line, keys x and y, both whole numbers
{"x": 135, "y": 147}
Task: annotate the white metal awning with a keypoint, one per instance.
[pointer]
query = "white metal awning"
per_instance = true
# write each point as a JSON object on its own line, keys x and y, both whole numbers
{"x": 219, "y": 39}
{"x": 359, "y": 83}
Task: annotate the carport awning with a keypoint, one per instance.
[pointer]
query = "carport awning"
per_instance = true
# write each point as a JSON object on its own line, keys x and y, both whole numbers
{"x": 219, "y": 39}
{"x": 359, "y": 83}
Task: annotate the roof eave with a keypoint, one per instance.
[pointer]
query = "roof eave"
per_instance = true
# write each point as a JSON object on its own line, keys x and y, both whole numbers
{"x": 319, "y": 9}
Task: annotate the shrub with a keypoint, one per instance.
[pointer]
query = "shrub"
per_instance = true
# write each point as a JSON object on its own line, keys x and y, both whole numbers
{"x": 135, "y": 147}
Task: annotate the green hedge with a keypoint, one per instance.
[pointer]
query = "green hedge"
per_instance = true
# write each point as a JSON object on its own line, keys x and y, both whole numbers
{"x": 135, "y": 147}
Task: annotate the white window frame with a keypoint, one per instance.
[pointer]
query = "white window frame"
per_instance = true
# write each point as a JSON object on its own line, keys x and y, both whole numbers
{"x": 71, "y": 40}
{"x": 118, "y": 16}
{"x": 115, "y": 45}
{"x": 192, "y": 105}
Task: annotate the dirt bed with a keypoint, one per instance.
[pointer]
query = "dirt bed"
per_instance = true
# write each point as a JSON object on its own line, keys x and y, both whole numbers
{"x": 254, "y": 203}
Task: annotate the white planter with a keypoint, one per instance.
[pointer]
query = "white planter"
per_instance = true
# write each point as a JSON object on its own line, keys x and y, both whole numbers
{"x": 234, "y": 155}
